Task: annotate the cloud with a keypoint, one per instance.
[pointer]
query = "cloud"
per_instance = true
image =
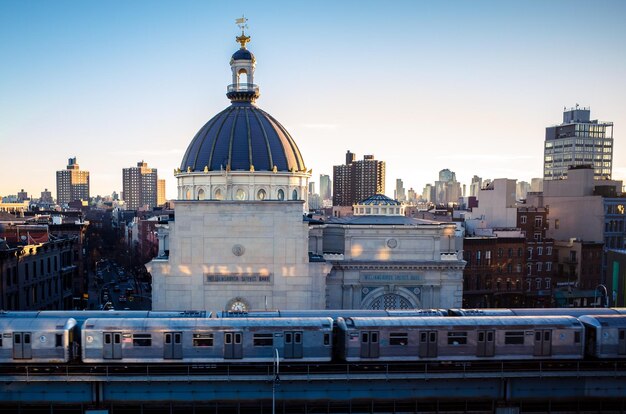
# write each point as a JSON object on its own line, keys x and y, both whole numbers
{"x": 153, "y": 152}
{"x": 320, "y": 126}
{"x": 485, "y": 157}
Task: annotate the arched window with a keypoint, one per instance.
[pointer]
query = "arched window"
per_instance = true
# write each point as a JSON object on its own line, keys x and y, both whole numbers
{"x": 188, "y": 195}
{"x": 240, "y": 194}
{"x": 201, "y": 194}
{"x": 242, "y": 79}
{"x": 294, "y": 195}
{"x": 218, "y": 194}
{"x": 281, "y": 195}
{"x": 260, "y": 195}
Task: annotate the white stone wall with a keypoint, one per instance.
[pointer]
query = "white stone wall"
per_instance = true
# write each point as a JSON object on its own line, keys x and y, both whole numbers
{"x": 247, "y": 241}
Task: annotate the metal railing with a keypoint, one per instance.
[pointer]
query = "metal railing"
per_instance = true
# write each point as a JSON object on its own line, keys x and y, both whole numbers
{"x": 243, "y": 87}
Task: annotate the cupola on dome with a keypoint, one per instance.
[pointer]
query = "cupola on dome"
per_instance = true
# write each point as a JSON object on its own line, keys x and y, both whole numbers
{"x": 242, "y": 137}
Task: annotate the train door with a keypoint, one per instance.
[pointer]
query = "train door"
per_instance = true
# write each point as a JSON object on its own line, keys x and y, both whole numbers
{"x": 233, "y": 345}
{"x": 621, "y": 335}
{"x": 370, "y": 344}
{"x": 22, "y": 345}
{"x": 293, "y": 344}
{"x": 112, "y": 345}
{"x": 428, "y": 344}
{"x": 543, "y": 342}
{"x": 486, "y": 343}
{"x": 173, "y": 345}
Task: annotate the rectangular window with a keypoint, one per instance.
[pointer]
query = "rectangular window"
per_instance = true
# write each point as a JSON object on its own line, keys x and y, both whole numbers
{"x": 202, "y": 339}
{"x": 539, "y": 251}
{"x": 549, "y": 250}
{"x": 457, "y": 338}
{"x": 263, "y": 339}
{"x": 326, "y": 339}
{"x": 142, "y": 340}
{"x": 398, "y": 338}
{"x": 514, "y": 338}
{"x": 538, "y": 282}
{"x": 539, "y": 266}
{"x": 548, "y": 266}
{"x": 548, "y": 283}
{"x": 522, "y": 219}
{"x": 59, "y": 340}
{"x": 538, "y": 221}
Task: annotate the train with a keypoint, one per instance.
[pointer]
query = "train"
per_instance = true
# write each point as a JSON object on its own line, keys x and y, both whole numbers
{"x": 344, "y": 336}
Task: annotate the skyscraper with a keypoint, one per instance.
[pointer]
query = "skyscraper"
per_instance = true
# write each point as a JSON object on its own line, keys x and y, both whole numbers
{"x": 161, "y": 192}
{"x": 325, "y": 187}
{"x": 357, "y": 180}
{"x": 578, "y": 141}
{"x": 72, "y": 183}
{"x": 139, "y": 186}
{"x": 399, "y": 193}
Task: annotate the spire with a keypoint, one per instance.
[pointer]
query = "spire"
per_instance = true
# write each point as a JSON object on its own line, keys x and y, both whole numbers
{"x": 243, "y": 39}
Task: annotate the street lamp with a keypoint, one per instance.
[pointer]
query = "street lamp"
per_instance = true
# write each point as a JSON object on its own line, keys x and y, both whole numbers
{"x": 606, "y": 295}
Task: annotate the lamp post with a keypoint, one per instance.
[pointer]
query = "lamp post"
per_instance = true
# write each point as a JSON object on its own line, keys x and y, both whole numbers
{"x": 275, "y": 380}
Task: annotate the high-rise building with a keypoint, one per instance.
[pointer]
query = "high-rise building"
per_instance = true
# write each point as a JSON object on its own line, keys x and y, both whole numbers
{"x": 399, "y": 193}
{"x": 22, "y": 195}
{"x": 325, "y": 187}
{"x": 447, "y": 189}
{"x": 72, "y": 183}
{"x": 578, "y": 141}
{"x": 139, "y": 186}
{"x": 161, "y": 192}
{"x": 46, "y": 196}
{"x": 357, "y": 180}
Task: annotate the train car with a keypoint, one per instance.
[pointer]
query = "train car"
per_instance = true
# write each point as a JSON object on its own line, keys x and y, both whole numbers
{"x": 82, "y": 315}
{"x": 195, "y": 340}
{"x": 605, "y": 335}
{"x": 332, "y": 313}
{"x": 32, "y": 340}
{"x": 464, "y": 339}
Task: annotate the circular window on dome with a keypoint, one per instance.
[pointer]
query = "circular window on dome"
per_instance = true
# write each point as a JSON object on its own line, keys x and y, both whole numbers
{"x": 240, "y": 194}
{"x": 260, "y": 195}
{"x": 281, "y": 195}
{"x": 218, "y": 194}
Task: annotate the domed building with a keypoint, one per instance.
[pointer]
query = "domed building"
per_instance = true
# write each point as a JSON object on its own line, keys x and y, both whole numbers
{"x": 239, "y": 241}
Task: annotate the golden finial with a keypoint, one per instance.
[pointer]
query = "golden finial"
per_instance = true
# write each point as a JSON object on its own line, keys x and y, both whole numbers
{"x": 227, "y": 167}
{"x": 241, "y": 23}
{"x": 274, "y": 169}
{"x": 251, "y": 168}
{"x": 206, "y": 169}
{"x": 188, "y": 169}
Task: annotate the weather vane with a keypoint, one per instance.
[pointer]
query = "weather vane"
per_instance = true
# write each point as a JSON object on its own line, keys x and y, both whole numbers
{"x": 241, "y": 23}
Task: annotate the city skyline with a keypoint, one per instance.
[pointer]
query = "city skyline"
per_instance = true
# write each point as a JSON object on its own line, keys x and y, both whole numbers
{"x": 423, "y": 87}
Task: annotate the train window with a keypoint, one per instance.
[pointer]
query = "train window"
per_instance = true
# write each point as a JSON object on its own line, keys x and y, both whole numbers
{"x": 326, "y": 340}
{"x": 58, "y": 340}
{"x": 398, "y": 338}
{"x": 263, "y": 340}
{"x": 142, "y": 340}
{"x": 621, "y": 336}
{"x": 481, "y": 336}
{"x": 364, "y": 337}
{"x": 514, "y": 338}
{"x": 577, "y": 337}
{"x": 107, "y": 338}
{"x": 457, "y": 338}
{"x": 202, "y": 339}
{"x": 423, "y": 337}
{"x": 537, "y": 336}
{"x": 546, "y": 336}
{"x": 27, "y": 338}
{"x": 374, "y": 337}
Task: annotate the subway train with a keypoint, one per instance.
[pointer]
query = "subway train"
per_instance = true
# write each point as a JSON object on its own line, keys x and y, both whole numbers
{"x": 175, "y": 337}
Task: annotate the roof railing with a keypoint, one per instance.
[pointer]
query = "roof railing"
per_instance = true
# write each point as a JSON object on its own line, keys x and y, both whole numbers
{"x": 243, "y": 87}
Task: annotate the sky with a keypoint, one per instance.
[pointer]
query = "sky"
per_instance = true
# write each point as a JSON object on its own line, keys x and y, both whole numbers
{"x": 422, "y": 85}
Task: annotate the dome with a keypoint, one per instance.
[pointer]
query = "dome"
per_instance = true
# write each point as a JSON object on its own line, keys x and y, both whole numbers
{"x": 243, "y": 54}
{"x": 245, "y": 138}
{"x": 379, "y": 200}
